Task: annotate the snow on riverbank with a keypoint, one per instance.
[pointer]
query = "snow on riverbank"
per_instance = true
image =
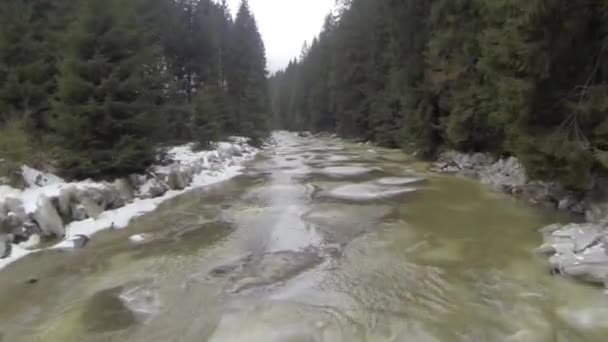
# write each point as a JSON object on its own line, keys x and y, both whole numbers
{"x": 186, "y": 170}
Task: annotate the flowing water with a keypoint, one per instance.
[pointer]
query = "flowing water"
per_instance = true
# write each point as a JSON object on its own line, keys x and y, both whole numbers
{"x": 319, "y": 240}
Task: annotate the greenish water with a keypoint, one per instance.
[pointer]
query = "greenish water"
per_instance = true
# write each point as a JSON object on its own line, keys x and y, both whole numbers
{"x": 272, "y": 255}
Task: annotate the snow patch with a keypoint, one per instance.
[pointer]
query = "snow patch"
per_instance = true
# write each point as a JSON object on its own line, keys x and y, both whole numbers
{"x": 35, "y": 178}
{"x": 226, "y": 165}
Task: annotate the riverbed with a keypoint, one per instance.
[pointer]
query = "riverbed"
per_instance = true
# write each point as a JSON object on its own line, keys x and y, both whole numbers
{"x": 318, "y": 240}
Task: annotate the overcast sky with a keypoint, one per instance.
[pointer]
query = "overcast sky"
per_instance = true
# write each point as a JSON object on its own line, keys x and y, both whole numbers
{"x": 286, "y": 24}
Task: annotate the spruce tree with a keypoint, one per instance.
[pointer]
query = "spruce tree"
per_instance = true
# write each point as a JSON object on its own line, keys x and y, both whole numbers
{"x": 246, "y": 75}
{"x": 105, "y": 104}
{"x": 29, "y": 46}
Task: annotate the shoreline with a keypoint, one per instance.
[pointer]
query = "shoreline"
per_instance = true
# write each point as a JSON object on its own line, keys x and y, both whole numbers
{"x": 196, "y": 170}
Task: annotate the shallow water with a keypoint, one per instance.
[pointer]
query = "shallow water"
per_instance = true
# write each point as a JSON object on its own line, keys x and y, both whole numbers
{"x": 292, "y": 251}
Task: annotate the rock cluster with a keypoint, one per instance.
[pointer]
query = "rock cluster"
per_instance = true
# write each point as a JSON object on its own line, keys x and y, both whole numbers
{"x": 45, "y": 209}
{"x": 578, "y": 251}
{"x": 509, "y": 175}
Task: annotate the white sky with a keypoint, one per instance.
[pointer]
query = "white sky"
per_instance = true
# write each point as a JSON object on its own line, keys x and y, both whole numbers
{"x": 286, "y": 24}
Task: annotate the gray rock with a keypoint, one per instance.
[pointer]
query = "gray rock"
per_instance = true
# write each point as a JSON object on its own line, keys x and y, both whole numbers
{"x": 399, "y": 181}
{"x": 125, "y": 191}
{"x": 566, "y": 203}
{"x": 366, "y": 192}
{"x": 229, "y": 151}
{"x": 48, "y": 218}
{"x": 106, "y": 197}
{"x": 136, "y": 181}
{"x": 15, "y": 206}
{"x": 92, "y": 209}
{"x": 578, "y": 251}
{"x": 582, "y": 236}
{"x": 153, "y": 188}
{"x": 215, "y": 158}
{"x": 32, "y": 242}
{"x": 590, "y": 266}
{"x": 30, "y": 227}
{"x": 596, "y": 212}
{"x": 12, "y": 216}
{"x": 80, "y": 241}
{"x": 5, "y": 246}
{"x": 79, "y": 212}
{"x": 67, "y": 198}
{"x": 177, "y": 179}
{"x": 267, "y": 269}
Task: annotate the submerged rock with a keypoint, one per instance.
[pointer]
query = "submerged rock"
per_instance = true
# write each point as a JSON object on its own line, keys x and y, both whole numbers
{"x": 140, "y": 238}
{"x": 366, "y": 192}
{"x": 399, "y": 181}
{"x": 341, "y": 223}
{"x": 267, "y": 269}
{"x": 121, "y": 307}
{"x": 585, "y": 319}
{"x": 105, "y": 311}
{"x": 347, "y": 171}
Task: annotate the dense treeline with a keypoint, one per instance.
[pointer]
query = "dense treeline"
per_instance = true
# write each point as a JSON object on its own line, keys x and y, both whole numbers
{"x": 104, "y": 82}
{"x": 523, "y": 77}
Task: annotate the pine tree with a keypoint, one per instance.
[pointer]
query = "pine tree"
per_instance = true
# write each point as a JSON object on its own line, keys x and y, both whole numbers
{"x": 105, "y": 105}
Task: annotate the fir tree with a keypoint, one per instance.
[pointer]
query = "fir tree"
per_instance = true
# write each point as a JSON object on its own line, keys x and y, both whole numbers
{"x": 105, "y": 106}
{"x": 246, "y": 75}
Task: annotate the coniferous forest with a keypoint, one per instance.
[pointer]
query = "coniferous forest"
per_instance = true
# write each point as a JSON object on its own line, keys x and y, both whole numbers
{"x": 523, "y": 77}
{"x": 98, "y": 84}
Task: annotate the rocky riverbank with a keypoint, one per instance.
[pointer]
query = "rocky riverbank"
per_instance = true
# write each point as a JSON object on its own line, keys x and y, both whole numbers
{"x": 576, "y": 250}
{"x": 51, "y": 209}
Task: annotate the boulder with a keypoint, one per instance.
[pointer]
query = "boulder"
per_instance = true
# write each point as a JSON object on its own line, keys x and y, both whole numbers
{"x": 79, "y": 212}
{"x": 366, "y": 192}
{"x": 346, "y": 171}
{"x": 590, "y": 266}
{"x": 30, "y": 228}
{"x": 125, "y": 191}
{"x": 400, "y": 181}
{"x": 177, "y": 179}
{"x": 92, "y": 209}
{"x": 32, "y": 242}
{"x": 140, "y": 238}
{"x": 578, "y": 251}
{"x": 11, "y": 224}
{"x": 597, "y": 212}
{"x": 48, "y": 218}
{"x": 5, "y": 246}
{"x": 80, "y": 241}
{"x": 15, "y": 206}
{"x": 12, "y": 216}
{"x": 153, "y": 188}
{"x": 65, "y": 202}
{"x": 107, "y": 197}
{"x": 227, "y": 151}
{"x": 136, "y": 181}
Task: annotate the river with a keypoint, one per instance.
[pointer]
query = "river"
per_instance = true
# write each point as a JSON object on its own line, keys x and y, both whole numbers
{"x": 316, "y": 241}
